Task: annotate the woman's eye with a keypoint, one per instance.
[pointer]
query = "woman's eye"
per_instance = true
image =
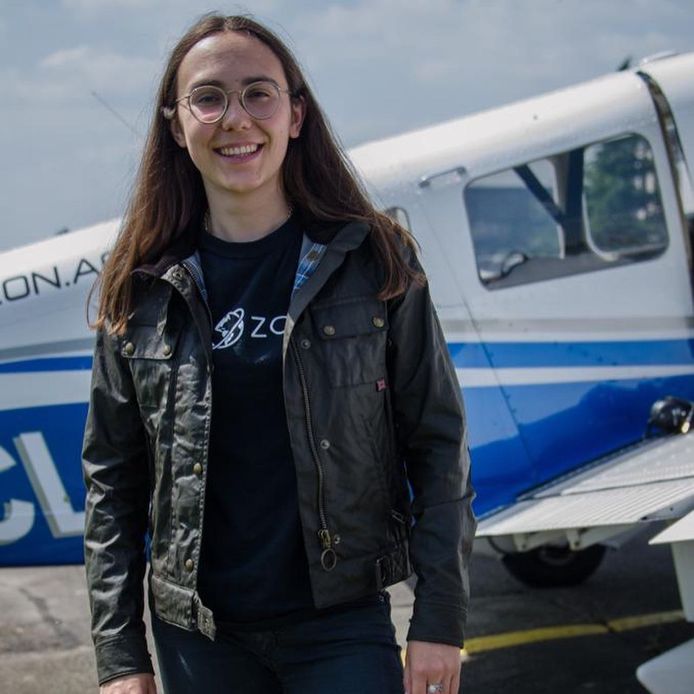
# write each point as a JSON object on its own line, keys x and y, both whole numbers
{"x": 259, "y": 93}
{"x": 207, "y": 99}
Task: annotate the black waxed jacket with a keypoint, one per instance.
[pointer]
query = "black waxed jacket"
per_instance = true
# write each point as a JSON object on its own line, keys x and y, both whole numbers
{"x": 372, "y": 403}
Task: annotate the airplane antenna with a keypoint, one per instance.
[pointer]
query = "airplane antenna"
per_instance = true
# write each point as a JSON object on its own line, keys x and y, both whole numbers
{"x": 112, "y": 110}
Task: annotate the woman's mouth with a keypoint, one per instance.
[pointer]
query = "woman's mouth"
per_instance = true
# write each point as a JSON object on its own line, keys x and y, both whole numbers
{"x": 239, "y": 152}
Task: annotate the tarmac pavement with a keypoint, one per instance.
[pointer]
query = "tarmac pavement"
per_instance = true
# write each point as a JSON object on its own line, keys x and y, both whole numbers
{"x": 589, "y": 638}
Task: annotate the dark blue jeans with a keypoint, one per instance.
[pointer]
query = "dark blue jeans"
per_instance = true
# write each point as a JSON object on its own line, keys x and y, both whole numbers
{"x": 348, "y": 652}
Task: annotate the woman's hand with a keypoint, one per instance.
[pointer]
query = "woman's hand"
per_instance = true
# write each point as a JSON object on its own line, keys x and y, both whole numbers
{"x": 432, "y": 663}
{"x": 141, "y": 683}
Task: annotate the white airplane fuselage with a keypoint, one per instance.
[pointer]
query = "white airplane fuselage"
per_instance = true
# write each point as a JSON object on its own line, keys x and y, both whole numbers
{"x": 566, "y": 315}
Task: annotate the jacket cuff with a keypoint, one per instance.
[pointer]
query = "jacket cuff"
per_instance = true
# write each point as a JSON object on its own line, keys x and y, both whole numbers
{"x": 123, "y": 655}
{"x": 437, "y": 623}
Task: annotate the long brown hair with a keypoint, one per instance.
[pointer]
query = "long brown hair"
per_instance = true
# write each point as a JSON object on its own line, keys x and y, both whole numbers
{"x": 168, "y": 201}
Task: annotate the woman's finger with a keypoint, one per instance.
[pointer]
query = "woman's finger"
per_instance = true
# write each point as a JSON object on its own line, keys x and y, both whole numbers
{"x": 455, "y": 683}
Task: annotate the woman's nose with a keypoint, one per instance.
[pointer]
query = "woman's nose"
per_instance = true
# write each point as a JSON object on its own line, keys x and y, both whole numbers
{"x": 236, "y": 116}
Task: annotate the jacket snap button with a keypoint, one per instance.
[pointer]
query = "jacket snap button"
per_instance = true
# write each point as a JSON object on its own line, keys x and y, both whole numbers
{"x": 329, "y": 329}
{"x": 197, "y": 469}
{"x": 305, "y": 343}
{"x": 167, "y": 350}
{"x": 324, "y": 444}
{"x": 129, "y": 348}
{"x": 378, "y": 321}
{"x": 189, "y": 564}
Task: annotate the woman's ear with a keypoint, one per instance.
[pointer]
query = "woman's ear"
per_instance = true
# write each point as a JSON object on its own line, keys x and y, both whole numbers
{"x": 177, "y": 132}
{"x": 298, "y": 115}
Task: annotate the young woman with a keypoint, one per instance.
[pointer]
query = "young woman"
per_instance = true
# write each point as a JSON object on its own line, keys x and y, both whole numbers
{"x": 273, "y": 405}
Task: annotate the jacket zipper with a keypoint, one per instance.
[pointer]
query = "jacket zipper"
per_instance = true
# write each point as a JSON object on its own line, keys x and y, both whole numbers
{"x": 328, "y": 558}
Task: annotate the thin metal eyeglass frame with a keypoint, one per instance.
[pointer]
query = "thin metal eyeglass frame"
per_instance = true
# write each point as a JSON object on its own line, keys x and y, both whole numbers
{"x": 169, "y": 111}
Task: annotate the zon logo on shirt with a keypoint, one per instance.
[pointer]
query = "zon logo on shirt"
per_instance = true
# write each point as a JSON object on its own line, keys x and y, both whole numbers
{"x": 233, "y": 325}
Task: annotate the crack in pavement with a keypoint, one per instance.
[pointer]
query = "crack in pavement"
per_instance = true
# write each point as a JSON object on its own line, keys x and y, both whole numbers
{"x": 67, "y": 638}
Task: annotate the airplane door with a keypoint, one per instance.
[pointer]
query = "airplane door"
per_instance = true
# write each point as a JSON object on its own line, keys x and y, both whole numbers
{"x": 573, "y": 268}
{"x": 499, "y": 460}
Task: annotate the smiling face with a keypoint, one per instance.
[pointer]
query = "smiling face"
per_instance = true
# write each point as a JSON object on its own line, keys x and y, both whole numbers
{"x": 239, "y": 156}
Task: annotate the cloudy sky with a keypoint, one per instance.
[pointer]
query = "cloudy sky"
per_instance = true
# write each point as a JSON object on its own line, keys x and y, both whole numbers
{"x": 77, "y": 77}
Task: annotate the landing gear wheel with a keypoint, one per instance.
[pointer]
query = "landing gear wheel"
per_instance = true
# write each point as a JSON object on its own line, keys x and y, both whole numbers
{"x": 554, "y": 566}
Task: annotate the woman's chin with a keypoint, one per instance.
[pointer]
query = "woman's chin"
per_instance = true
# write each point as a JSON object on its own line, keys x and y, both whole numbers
{"x": 241, "y": 185}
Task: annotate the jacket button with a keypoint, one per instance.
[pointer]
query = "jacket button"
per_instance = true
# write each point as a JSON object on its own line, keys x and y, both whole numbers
{"x": 305, "y": 343}
{"x": 167, "y": 350}
{"x": 129, "y": 348}
{"x": 189, "y": 564}
{"x": 378, "y": 321}
{"x": 197, "y": 469}
{"x": 324, "y": 444}
{"x": 329, "y": 329}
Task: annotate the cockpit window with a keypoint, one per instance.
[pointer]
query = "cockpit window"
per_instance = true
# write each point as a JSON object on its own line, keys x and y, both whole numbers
{"x": 578, "y": 211}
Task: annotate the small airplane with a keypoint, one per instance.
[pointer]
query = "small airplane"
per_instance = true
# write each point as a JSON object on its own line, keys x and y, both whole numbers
{"x": 557, "y": 235}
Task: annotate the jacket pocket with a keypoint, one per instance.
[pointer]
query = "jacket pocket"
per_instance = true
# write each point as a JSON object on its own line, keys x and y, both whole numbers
{"x": 150, "y": 354}
{"x": 352, "y": 334}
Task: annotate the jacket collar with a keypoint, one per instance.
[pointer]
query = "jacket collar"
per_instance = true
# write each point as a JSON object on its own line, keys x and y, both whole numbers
{"x": 338, "y": 235}
{"x": 310, "y": 255}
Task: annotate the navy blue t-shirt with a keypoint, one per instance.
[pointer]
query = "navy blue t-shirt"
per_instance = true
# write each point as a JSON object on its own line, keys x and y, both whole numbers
{"x": 253, "y": 562}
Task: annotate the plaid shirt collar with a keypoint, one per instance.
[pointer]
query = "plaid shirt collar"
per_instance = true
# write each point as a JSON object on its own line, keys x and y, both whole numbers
{"x": 310, "y": 255}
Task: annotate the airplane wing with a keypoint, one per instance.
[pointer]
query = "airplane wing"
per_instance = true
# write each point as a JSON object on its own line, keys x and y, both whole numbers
{"x": 671, "y": 671}
{"x": 649, "y": 481}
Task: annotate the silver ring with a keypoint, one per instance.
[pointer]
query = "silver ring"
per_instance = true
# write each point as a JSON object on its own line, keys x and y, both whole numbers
{"x": 436, "y": 688}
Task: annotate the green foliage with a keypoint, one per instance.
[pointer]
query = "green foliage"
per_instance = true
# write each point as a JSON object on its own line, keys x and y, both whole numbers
{"x": 622, "y": 197}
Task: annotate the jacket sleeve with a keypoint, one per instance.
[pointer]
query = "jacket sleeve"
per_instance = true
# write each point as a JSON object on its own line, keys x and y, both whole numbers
{"x": 115, "y": 469}
{"x": 431, "y": 433}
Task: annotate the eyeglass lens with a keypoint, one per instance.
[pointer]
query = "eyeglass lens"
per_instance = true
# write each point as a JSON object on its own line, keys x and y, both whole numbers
{"x": 209, "y": 103}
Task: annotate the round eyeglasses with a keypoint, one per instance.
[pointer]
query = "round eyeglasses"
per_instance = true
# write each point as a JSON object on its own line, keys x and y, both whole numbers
{"x": 209, "y": 103}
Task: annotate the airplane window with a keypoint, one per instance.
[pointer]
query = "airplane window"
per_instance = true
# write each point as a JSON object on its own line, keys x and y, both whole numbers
{"x": 624, "y": 214}
{"x": 578, "y": 211}
{"x": 509, "y": 224}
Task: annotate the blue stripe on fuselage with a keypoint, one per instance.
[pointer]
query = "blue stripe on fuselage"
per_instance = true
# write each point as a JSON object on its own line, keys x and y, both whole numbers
{"x": 554, "y": 427}
{"x": 477, "y": 355}
{"x": 552, "y": 354}
{"x": 47, "y": 364}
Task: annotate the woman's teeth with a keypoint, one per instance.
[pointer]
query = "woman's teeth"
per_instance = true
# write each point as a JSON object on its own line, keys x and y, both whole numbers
{"x": 241, "y": 149}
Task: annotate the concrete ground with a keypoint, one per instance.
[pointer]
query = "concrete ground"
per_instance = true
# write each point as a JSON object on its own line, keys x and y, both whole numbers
{"x": 585, "y": 639}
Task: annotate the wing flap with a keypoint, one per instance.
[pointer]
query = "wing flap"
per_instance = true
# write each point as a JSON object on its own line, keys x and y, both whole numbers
{"x": 653, "y": 480}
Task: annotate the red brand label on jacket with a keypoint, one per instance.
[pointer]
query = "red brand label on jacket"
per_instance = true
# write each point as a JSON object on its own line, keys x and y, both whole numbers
{"x": 381, "y": 384}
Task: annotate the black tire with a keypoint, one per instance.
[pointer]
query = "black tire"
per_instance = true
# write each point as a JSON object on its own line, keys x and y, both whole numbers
{"x": 552, "y": 567}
